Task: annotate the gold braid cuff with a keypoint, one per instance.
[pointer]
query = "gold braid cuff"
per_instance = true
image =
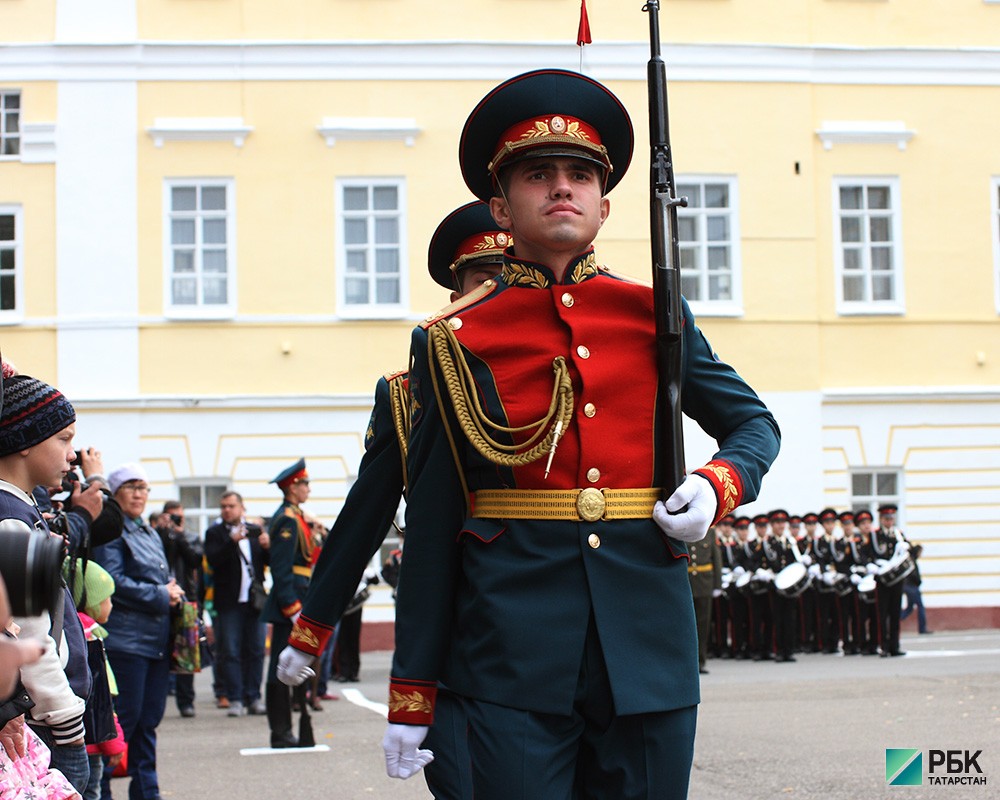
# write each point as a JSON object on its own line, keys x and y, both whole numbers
{"x": 446, "y": 351}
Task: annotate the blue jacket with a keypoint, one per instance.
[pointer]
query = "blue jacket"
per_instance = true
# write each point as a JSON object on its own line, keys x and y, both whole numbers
{"x": 140, "y": 620}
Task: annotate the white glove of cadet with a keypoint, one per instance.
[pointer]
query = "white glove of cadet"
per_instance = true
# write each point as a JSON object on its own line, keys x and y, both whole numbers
{"x": 294, "y": 666}
{"x": 402, "y": 758}
{"x": 871, "y": 568}
{"x": 814, "y": 570}
{"x": 807, "y": 559}
{"x": 691, "y": 526}
{"x": 716, "y": 592}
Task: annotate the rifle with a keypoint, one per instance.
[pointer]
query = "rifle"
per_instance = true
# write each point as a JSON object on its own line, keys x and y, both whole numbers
{"x": 666, "y": 261}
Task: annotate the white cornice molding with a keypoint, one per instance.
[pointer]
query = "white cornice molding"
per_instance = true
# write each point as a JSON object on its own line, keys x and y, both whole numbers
{"x": 833, "y": 132}
{"x": 199, "y": 129}
{"x": 225, "y": 402}
{"x": 904, "y": 394}
{"x": 455, "y": 60}
{"x": 403, "y": 129}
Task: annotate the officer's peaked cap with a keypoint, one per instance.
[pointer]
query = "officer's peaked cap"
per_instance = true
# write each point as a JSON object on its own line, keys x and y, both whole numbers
{"x": 545, "y": 112}
{"x": 467, "y": 236}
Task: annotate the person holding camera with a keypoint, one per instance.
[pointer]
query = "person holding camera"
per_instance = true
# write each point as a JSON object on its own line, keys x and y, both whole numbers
{"x": 237, "y": 552}
{"x": 37, "y": 426}
{"x": 138, "y": 643}
{"x": 184, "y": 553}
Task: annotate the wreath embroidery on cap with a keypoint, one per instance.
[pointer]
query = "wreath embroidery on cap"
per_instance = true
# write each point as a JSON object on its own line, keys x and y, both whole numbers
{"x": 557, "y": 126}
{"x": 489, "y": 242}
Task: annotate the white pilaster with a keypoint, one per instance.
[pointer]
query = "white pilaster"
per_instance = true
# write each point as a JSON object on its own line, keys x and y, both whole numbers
{"x": 97, "y": 240}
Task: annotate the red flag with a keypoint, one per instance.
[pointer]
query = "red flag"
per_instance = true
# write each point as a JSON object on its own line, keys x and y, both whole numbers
{"x": 583, "y": 32}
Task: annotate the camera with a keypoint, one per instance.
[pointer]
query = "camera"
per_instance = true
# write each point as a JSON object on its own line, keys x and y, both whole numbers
{"x": 177, "y": 519}
{"x": 78, "y": 460}
{"x": 31, "y": 567}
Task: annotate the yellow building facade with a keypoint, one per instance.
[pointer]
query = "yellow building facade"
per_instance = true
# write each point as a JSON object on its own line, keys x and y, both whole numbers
{"x": 214, "y": 221}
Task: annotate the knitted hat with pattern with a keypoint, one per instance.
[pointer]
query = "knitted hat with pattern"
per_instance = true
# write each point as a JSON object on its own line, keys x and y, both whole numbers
{"x": 32, "y": 412}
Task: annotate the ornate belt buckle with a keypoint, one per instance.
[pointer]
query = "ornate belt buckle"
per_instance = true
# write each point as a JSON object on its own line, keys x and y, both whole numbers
{"x": 590, "y": 504}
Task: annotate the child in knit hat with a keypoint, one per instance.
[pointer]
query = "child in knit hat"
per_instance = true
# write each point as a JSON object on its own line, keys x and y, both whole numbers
{"x": 93, "y": 587}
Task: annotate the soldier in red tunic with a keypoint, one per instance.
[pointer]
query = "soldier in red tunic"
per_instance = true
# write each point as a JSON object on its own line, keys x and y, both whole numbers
{"x": 543, "y": 581}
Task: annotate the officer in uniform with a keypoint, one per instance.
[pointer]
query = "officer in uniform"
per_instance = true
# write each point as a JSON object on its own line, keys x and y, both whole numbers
{"x": 465, "y": 250}
{"x": 291, "y": 567}
{"x": 846, "y": 558}
{"x": 808, "y": 638}
{"x": 737, "y": 555}
{"x": 865, "y": 565}
{"x": 761, "y": 609}
{"x": 779, "y": 552}
{"x": 886, "y": 541}
{"x": 720, "y": 641}
{"x": 530, "y": 571}
{"x": 705, "y": 574}
{"x": 828, "y": 618}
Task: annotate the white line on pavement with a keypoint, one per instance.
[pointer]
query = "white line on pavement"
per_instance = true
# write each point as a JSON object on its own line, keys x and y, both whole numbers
{"x": 355, "y": 696}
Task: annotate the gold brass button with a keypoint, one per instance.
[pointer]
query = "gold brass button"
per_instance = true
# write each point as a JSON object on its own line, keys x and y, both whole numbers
{"x": 567, "y": 300}
{"x": 455, "y": 323}
{"x": 593, "y": 474}
{"x": 590, "y": 409}
{"x": 590, "y": 504}
{"x": 583, "y": 352}
{"x": 594, "y": 540}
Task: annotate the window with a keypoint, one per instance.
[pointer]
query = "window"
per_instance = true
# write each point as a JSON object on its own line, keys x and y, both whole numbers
{"x": 371, "y": 280}
{"x": 10, "y": 123}
{"x": 10, "y": 263}
{"x": 708, "y": 239}
{"x": 201, "y": 503}
{"x": 873, "y": 488}
{"x": 200, "y": 255}
{"x": 867, "y": 250}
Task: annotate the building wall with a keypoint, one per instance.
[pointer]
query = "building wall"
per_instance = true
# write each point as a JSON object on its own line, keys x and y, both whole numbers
{"x": 239, "y": 398}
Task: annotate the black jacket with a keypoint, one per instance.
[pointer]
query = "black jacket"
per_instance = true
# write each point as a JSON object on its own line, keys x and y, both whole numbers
{"x": 223, "y": 556}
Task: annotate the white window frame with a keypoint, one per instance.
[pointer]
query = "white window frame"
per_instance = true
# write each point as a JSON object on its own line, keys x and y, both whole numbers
{"x": 995, "y": 226}
{"x": 396, "y": 310}
{"x": 717, "y": 308}
{"x": 200, "y": 310}
{"x": 871, "y": 501}
{"x": 861, "y": 307}
{"x": 19, "y": 133}
{"x": 197, "y": 519}
{"x": 15, "y": 314}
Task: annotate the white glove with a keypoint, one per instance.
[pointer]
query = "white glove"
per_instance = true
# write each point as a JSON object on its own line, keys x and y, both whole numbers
{"x": 691, "y": 526}
{"x": 294, "y": 666}
{"x": 716, "y": 592}
{"x": 902, "y": 550}
{"x": 402, "y": 758}
{"x": 814, "y": 570}
{"x": 871, "y": 568}
{"x": 738, "y": 571}
{"x": 856, "y": 579}
{"x": 807, "y": 559}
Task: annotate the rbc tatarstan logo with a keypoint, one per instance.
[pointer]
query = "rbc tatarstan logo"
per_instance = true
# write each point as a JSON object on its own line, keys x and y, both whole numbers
{"x": 904, "y": 766}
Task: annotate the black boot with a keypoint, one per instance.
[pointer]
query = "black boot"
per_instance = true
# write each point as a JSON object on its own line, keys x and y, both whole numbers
{"x": 279, "y": 715}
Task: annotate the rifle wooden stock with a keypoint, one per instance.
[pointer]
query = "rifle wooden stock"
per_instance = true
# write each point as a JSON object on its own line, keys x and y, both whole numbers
{"x": 666, "y": 267}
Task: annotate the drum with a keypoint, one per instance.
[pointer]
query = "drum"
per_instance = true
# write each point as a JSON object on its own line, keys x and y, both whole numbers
{"x": 866, "y": 589}
{"x": 758, "y": 584}
{"x": 841, "y": 584}
{"x": 793, "y": 580}
{"x": 895, "y": 571}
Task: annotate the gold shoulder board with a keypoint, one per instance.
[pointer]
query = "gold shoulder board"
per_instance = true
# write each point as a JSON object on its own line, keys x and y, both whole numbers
{"x": 481, "y": 291}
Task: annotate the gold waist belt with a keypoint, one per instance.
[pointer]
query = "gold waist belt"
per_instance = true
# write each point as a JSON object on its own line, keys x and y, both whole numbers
{"x": 304, "y": 571}
{"x": 701, "y": 568}
{"x": 588, "y": 505}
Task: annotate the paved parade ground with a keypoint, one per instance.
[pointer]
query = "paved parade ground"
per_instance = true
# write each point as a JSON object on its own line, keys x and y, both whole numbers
{"x": 817, "y": 728}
